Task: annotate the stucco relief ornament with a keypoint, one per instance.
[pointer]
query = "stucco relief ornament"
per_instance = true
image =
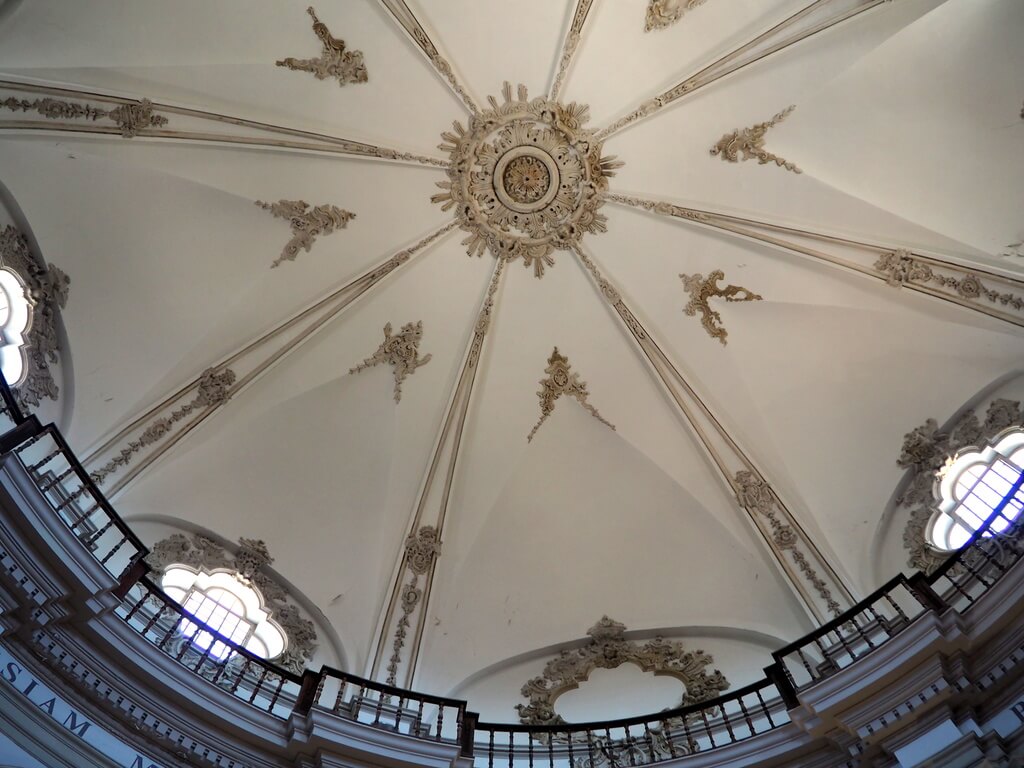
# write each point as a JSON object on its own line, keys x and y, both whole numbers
{"x": 701, "y": 290}
{"x": 306, "y": 224}
{"x": 901, "y": 267}
{"x": 525, "y": 178}
{"x": 562, "y": 380}
{"x": 131, "y": 118}
{"x": 421, "y": 549}
{"x": 334, "y": 61}
{"x": 251, "y": 561}
{"x": 665, "y": 13}
{"x": 401, "y": 351}
{"x": 748, "y": 144}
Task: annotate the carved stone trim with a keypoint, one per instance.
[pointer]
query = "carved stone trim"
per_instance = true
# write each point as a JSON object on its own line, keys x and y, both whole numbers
{"x": 665, "y": 13}
{"x": 334, "y": 61}
{"x": 251, "y": 561}
{"x": 900, "y": 267}
{"x": 562, "y": 380}
{"x": 46, "y": 289}
{"x": 487, "y": 178}
{"x": 212, "y": 391}
{"x": 749, "y": 142}
{"x": 607, "y": 649}
{"x": 925, "y": 451}
{"x": 131, "y": 118}
{"x": 401, "y": 351}
{"x": 421, "y": 549}
{"x": 701, "y": 291}
{"x": 306, "y": 224}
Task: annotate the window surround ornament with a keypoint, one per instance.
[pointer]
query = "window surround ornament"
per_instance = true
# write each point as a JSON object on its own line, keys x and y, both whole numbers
{"x": 925, "y": 451}
{"x": 250, "y": 559}
{"x": 46, "y": 289}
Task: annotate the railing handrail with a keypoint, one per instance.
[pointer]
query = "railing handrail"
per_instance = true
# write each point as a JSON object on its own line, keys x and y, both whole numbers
{"x": 776, "y": 673}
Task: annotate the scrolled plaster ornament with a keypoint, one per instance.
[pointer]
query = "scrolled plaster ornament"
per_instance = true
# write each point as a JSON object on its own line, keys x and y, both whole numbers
{"x": 334, "y": 61}
{"x": 562, "y": 380}
{"x": 131, "y": 118}
{"x": 525, "y": 178}
{"x": 401, "y": 351}
{"x": 900, "y": 267}
{"x": 422, "y": 548}
{"x": 926, "y": 450}
{"x": 607, "y": 649}
{"x": 748, "y": 144}
{"x": 46, "y": 289}
{"x": 665, "y": 13}
{"x": 306, "y": 224}
{"x": 702, "y": 290}
{"x": 251, "y": 561}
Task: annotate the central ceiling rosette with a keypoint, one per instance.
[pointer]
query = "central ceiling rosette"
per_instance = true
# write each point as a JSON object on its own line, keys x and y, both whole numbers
{"x": 525, "y": 178}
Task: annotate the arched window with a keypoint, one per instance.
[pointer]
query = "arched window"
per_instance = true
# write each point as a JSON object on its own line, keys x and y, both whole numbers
{"x": 228, "y": 604}
{"x": 973, "y": 485}
{"x": 15, "y": 314}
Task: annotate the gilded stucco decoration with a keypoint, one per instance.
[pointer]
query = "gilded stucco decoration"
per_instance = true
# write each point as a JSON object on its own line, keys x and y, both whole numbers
{"x": 251, "y": 561}
{"x": 665, "y": 13}
{"x": 334, "y": 61}
{"x": 901, "y": 267}
{"x": 213, "y": 389}
{"x": 421, "y": 549}
{"x": 702, "y": 290}
{"x": 608, "y": 648}
{"x": 562, "y": 380}
{"x": 131, "y": 118}
{"x": 46, "y": 289}
{"x": 525, "y": 178}
{"x": 399, "y": 350}
{"x": 755, "y": 495}
{"x": 925, "y": 452}
{"x": 748, "y": 144}
{"x": 306, "y": 223}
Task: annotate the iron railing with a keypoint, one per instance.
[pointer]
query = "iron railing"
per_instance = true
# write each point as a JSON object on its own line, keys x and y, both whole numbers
{"x": 642, "y": 740}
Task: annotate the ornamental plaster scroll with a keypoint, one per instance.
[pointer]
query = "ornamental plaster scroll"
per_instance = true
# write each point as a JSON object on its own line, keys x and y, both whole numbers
{"x": 562, "y": 380}
{"x": 608, "y": 648}
{"x": 46, "y": 289}
{"x": 572, "y": 42}
{"x": 701, "y": 290}
{"x": 900, "y": 267}
{"x": 132, "y": 118}
{"x": 306, "y": 224}
{"x": 334, "y": 61}
{"x": 421, "y": 549}
{"x": 525, "y": 178}
{"x": 401, "y": 351}
{"x": 757, "y": 497}
{"x": 213, "y": 389}
{"x": 251, "y": 561}
{"x": 748, "y": 144}
{"x": 926, "y": 450}
{"x": 665, "y": 13}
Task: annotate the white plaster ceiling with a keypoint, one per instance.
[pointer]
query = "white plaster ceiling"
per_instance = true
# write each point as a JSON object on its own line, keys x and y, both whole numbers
{"x": 169, "y": 261}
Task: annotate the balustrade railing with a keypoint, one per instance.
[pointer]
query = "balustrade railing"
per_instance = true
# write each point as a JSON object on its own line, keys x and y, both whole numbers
{"x": 636, "y": 741}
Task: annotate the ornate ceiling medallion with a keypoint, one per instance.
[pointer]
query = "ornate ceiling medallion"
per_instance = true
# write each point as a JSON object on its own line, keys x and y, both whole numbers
{"x": 525, "y": 178}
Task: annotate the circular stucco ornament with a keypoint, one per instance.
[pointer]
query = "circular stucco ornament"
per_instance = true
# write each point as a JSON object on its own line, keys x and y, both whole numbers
{"x": 525, "y": 178}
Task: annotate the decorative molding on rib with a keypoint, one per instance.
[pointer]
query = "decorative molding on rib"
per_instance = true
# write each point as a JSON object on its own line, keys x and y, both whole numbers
{"x": 665, "y": 13}
{"x": 924, "y": 452}
{"x": 156, "y": 430}
{"x": 306, "y": 224}
{"x": 814, "y": 581}
{"x": 408, "y": 21}
{"x": 401, "y": 351}
{"x": 812, "y": 19}
{"x": 748, "y": 144}
{"x": 562, "y": 380}
{"x": 702, "y": 290}
{"x": 403, "y": 617}
{"x": 976, "y": 288}
{"x": 190, "y": 125}
{"x": 46, "y": 289}
{"x": 572, "y": 42}
{"x": 335, "y": 60}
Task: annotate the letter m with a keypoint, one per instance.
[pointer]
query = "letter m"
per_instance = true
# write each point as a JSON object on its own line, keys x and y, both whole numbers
{"x": 72, "y": 724}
